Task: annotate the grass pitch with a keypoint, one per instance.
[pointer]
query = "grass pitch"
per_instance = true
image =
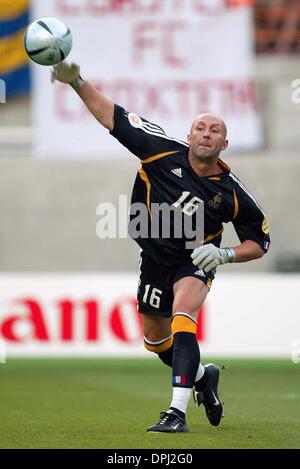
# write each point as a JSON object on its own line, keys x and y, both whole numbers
{"x": 108, "y": 403}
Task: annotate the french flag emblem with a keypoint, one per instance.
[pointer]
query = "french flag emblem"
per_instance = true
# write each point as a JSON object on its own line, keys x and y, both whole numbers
{"x": 179, "y": 380}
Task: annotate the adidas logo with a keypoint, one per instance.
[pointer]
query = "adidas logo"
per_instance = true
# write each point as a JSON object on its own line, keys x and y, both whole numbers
{"x": 200, "y": 273}
{"x": 177, "y": 172}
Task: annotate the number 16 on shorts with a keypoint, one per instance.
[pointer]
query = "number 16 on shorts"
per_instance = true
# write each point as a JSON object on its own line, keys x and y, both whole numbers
{"x": 152, "y": 296}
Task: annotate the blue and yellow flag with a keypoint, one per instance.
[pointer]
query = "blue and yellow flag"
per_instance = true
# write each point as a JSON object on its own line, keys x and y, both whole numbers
{"x": 14, "y": 63}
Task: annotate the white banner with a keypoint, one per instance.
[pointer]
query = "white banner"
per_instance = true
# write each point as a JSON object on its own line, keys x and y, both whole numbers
{"x": 167, "y": 60}
{"x": 95, "y": 315}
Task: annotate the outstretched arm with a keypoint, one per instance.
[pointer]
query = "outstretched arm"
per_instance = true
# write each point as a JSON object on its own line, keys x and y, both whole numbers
{"x": 138, "y": 135}
{"x": 247, "y": 251}
{"x": 100, "y": 106}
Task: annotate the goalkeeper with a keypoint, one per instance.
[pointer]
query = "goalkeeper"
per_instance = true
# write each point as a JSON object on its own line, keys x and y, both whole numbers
{"x": 175, "y": 280}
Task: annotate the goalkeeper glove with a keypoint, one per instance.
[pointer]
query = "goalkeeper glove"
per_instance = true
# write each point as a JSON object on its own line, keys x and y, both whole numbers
{"x": 209, "y": 256}
{"x": 67, "y": 73}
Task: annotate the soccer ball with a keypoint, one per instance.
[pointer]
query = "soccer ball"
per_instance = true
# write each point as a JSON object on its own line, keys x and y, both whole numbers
{"x": 47, "y": 41}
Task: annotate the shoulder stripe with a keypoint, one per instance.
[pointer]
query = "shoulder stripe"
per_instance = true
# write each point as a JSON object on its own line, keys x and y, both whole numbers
{"x": 156, "y": 130}
{"x": 152, "y": 126}
{"x": 162, "y": 135}
{"x": 245, "y": 190}
{"x": 152, "y": 129}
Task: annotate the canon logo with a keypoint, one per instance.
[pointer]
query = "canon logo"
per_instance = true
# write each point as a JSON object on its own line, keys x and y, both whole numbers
{"x": 66, "y": 320}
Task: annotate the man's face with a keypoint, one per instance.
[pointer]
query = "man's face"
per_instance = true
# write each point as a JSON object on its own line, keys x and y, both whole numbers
{"x": 207, "y": 137}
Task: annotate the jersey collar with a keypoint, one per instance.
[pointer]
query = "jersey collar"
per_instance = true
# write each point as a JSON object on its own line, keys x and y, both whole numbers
{"x": 223, "y": 166}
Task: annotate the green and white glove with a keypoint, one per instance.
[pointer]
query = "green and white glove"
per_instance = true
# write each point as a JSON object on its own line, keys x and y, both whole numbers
{"x": 207, "y": 257}
{"x": 67, "y": 73}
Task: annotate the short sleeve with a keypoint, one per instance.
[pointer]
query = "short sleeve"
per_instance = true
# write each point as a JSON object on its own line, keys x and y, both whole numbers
{"x": 250, "y": 222}
{"x": 139, "y": 136}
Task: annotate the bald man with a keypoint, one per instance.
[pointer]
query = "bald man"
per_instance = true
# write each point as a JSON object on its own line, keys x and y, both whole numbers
{"x": 175, "y": 278}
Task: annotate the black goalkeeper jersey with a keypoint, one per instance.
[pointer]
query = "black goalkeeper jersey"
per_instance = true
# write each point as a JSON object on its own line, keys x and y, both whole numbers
{"x": 166, "y": 176}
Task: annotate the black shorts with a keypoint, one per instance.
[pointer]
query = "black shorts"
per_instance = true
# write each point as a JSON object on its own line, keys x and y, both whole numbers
{"x": 155, "y": 289}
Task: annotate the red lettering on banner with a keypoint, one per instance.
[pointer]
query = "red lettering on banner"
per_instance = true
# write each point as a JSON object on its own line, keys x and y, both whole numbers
{"x": 61, "y": 105}
{"x": 167, "y": 99}
{"x": 67, "y": 310}
{"x": 247, "y": 95}
{"x": 237, "y": 99}
{"x": 123, "y": 320}
{"x": 67, "y": 7}
{"x": 34, "y": 317}
{"x": 202, "y": 96}
{"x": 148, "y": 7}
{"x": 163, "y": 36}
{"x": 171, "y": 30}
{"x": 155, "y": 103}
{"x": 124, "y": 6}
{"x": 100, "y": 7}
{"x": 141, "y": 40}
{"x": 200, "y": 328}
{"x": 118, "y": 320}
{"x": 209, "y": 7}
{"x": 92, "y": 320}
{"x": 66, "y": 317}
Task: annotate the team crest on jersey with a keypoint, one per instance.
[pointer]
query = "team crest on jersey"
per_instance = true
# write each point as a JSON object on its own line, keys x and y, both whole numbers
{"x": 265, "y": 226}
{"x": 135, "y": 120}
{"x": 216, "y": 201}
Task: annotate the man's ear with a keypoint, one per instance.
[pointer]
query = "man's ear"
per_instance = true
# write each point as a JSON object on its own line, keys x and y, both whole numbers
{"x": 188, "y": 138}
{"x": 225, "y": 145}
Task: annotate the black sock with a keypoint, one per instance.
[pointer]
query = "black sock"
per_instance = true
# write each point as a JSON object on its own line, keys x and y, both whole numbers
{"x": 167, "y": 356}
{"x": 186, "y": 358}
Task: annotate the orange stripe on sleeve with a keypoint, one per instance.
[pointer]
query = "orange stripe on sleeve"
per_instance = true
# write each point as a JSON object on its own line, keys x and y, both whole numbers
{"x": 158, "y": 156}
